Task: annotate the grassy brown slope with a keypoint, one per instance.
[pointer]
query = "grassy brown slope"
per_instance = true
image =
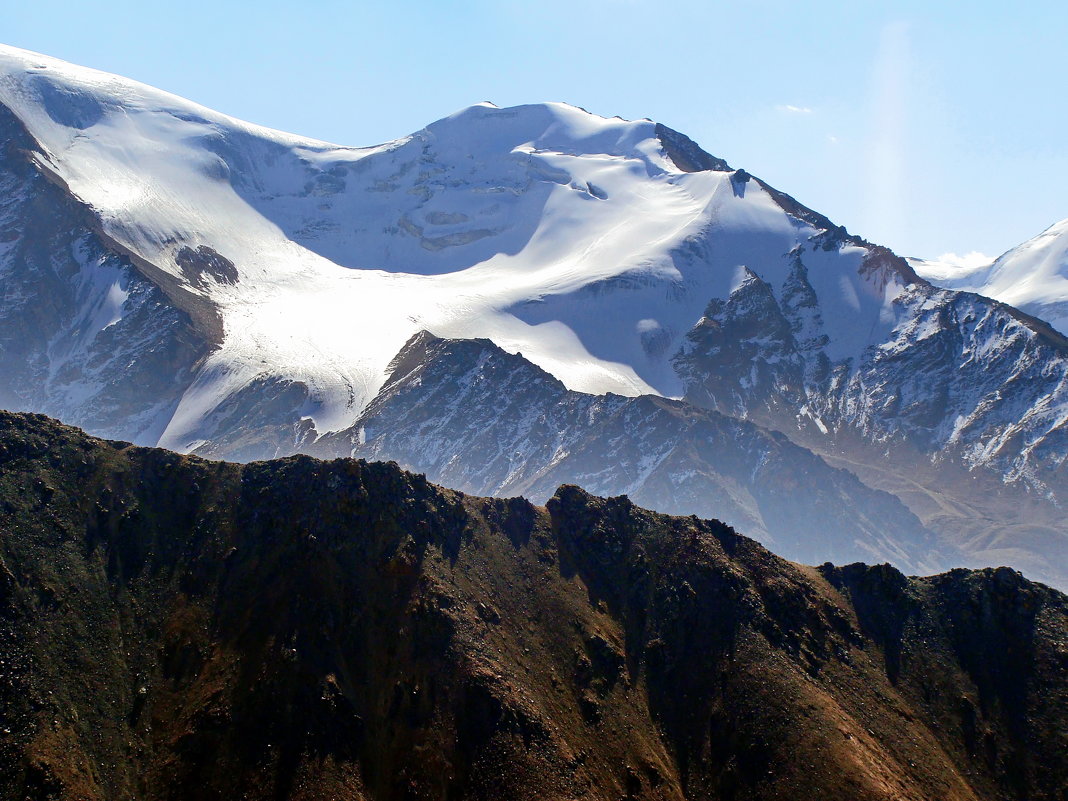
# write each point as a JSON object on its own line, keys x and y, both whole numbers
{"x": 172, "y": 628}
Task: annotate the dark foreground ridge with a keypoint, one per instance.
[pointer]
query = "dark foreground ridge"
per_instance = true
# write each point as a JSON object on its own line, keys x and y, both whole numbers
{"x": 173, "y": 628}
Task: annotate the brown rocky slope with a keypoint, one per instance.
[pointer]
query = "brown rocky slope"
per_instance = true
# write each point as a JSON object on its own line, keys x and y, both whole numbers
{"x": 174, "y": 628}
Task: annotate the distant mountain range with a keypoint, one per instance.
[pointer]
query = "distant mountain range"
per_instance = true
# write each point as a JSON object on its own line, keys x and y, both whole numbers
{"x": 1032, "y": 276}
{"x": 512, "y": 299}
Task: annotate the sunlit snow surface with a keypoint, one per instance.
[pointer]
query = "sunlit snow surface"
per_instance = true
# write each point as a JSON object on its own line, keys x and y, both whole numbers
{"x": 556, "y": 233}
{"x": 1032, "y": 276}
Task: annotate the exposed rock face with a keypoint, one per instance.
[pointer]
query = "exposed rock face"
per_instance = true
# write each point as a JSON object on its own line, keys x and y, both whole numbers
{"x": 959, "y": 411}
{"x": 686, "y": 154}
{"x": 962, "y": 377}
{"x": 176, "y": 628}
{"x": 204, "y": 263}
{"x": 475, "y": 418}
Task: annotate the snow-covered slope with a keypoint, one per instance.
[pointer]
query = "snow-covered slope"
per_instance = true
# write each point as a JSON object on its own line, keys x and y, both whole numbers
{"x": 1032, "y": 276}
{"x": 615, "y": 255}
{"x": 549, "y": 230}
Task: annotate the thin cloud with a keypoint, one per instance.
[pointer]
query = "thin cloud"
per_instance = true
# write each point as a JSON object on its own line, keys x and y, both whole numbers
{"x": 794, "y": 109}
{"x": 969, "y": 261}
{"x": 888, "y": 201}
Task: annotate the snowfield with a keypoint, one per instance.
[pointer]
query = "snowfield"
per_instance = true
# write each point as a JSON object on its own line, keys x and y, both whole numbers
{"x": 553, "y": 232}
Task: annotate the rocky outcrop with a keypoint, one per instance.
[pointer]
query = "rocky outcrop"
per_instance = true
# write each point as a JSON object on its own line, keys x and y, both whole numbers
{"x": 487, "y": 422}
{"x": 957, "y": 409}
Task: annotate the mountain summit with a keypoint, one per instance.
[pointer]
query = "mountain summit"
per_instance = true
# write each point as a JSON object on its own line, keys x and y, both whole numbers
{"x": 174, "y": 276}
{"x": 1032, "y": 276}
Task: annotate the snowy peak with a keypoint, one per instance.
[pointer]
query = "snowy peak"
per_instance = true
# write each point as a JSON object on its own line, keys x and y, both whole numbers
{"x": 1032, "y": 276}
{"x": 80, "y": 98}
{"x": 513, "y": 224}
{"x": 557, "y": 127}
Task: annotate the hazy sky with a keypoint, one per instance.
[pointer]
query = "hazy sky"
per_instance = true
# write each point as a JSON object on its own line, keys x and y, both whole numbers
{"x": 926, "y": 127}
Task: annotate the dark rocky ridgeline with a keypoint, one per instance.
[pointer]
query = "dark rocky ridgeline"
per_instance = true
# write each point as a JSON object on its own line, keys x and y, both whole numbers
{"x": 173, "y": 628}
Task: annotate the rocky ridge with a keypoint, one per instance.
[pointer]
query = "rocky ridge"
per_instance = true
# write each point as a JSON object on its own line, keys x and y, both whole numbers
{"x": 301, "y": 629}
{"x": 486, "y": 422}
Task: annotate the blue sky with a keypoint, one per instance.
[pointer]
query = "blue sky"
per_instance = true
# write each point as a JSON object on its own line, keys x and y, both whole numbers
{"x": 927, "y": 127}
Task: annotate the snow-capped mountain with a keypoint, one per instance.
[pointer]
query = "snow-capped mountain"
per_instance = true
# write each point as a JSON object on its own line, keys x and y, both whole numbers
{"x": 1032, "y": 276}
{"x": 553, "y": 232}
{"x": 266, "y": 286}
{"x": 960, "y": 411}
